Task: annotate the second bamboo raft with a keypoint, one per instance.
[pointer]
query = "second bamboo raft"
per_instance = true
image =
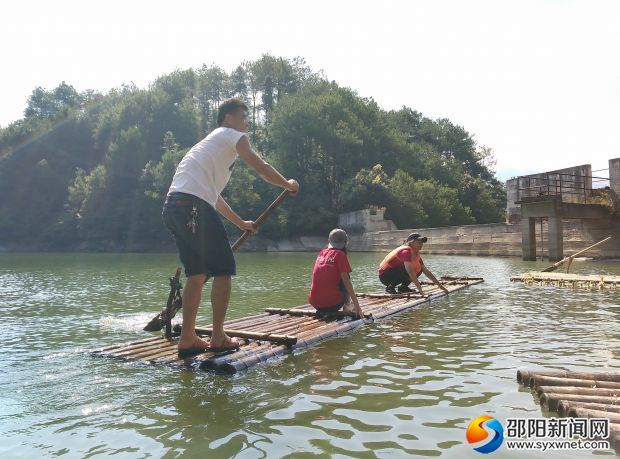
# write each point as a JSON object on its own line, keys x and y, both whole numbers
{"x": 579, "y": 395}
{"x": 277, "y": 331}
{"x": 581, "y": 281}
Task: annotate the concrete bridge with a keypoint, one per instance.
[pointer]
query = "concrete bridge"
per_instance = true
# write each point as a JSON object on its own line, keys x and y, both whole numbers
{"x": 554, "y": 210}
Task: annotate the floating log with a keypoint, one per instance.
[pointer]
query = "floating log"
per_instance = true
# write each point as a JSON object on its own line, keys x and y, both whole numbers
{"x": 539, "y": 380}
{"x": 578, "y": 412}
{"x": 578, "y": 391}
{"x": 551, "y": 400}
{"x": 565, "y": 405}
{"x": 614, "y": 436}
{"x": 523, "y": 376}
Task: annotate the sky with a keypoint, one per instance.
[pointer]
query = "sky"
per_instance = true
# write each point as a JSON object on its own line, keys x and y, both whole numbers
{"x": 538, "y": 81}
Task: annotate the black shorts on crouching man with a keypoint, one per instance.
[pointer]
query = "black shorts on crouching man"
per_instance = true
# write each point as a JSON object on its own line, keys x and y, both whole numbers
{"x": 205, "y": 251}
{"x": 395, "y": 276}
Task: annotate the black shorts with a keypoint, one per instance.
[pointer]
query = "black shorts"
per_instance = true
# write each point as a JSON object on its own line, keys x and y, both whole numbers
{"x": 395, "y": 276}
{"x": 207, "y": 251}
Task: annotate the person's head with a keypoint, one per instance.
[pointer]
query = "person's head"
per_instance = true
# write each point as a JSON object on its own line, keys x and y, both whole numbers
{"x": 338, "y": 239}
{"x": 415, "y": 241}
{"x": 233, "y": 113}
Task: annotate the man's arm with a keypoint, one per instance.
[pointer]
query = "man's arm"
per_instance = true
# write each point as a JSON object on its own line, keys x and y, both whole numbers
{"x": 230, "y": 215}
{"x": 413, "y": 276}
{"x": 434, "y": 279}
{"x": 346, "y": 280}
{"x": 267, "y": 172}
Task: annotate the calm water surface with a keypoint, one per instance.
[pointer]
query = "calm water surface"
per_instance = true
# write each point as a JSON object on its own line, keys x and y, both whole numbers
{"x": 405, "y": 387}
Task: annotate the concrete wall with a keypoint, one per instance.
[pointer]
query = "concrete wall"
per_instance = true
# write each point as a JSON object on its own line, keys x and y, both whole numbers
{"x": 500, "y": 239}
{"x": 492, "y": 239}
{"x": 582, "y": 178}
{"x": 366, "y": 220}
{"x": 497, "y": 239}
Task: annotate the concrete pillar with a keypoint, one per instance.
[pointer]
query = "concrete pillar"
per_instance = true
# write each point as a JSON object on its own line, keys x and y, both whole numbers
{"x": 528, "y": 238}
{"x": 614, "y": 174}
{"x": 556, "y": 240}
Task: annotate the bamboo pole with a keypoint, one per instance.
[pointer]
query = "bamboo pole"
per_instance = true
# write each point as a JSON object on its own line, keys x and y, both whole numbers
{"x": 106, "y": 349}
{"x": 274, "y": 338}
{"x": 614, "y": 437}
{"x": 551, "y": 400}
{"x": 565, "y": 405}
{"x": 130, "y": 350}
{"x": 554, "y": 266}
{"x": 523, "y": 376}
{"x": 539, "y": 380}
{"x": 294, "y": 312}
{"x": 579, "y": 391}
{"x": 578, "y": 412}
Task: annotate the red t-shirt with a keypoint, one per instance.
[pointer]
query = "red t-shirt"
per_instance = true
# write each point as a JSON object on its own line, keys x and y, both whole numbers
{"x": 397, "y": 258}
{"x": 330, "y": 264}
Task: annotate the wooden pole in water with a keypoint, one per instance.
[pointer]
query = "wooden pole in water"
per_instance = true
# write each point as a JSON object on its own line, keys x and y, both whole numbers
{"x": 579, "y": 391}
{"x": 554, "y": 266}
{"x": 552, "y": 400}
{"x": 537, "y": 381}
{"x": 578, "y": 412}
{"x": 523, "y": 376}
{"x": 565, "y": 405}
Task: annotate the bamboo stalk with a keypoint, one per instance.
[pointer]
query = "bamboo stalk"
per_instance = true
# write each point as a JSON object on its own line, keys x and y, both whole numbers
{"x": 552, "y": 400}
{"x": 288, "y": 340}
{"x": 579, "y": 391}
{"x": 523, "y": 376}
{"x": 614, "y": 436}
{"x": 539, "y": 380}
{"x": 554, "y": 266}
{"x": 116, "y": 346}
{"x": 565, "y": 405}
{"x": 130, "y": 350}
{"x": 294, "y": 312}
{"x": 578, "y": 412}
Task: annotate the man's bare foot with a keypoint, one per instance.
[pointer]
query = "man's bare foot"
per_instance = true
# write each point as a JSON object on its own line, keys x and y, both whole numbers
{"x": 224, "y": 344}
{"x": 199, "y": 346}
{"x": 192, "y": 342}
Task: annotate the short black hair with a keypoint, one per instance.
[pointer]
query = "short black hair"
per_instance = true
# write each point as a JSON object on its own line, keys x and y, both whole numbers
{"x": 229, "y": 106}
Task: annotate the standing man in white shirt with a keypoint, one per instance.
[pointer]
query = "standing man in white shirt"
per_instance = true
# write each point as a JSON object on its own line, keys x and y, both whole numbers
{"x": 191, "y": 213}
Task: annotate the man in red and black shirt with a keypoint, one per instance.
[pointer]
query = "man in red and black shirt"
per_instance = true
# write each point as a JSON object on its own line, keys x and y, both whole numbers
{"x": 403, "y": 265}
{"x": 331, "y": 285}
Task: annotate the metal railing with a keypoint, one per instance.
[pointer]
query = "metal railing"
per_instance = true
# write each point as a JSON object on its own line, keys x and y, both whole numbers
{"x": 570, "y": 187}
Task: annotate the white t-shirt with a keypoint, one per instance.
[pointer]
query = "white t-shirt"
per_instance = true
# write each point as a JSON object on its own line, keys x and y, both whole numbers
{"x": 205, "y": 170}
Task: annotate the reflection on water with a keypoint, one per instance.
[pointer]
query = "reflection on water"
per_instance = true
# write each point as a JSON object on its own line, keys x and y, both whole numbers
{"x": 404, "y": 387}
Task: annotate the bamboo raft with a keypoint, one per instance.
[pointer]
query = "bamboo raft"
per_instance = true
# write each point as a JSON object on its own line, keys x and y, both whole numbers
{"x": 580, "y": 281}
{"x": 275, "y": 331}
{"x": 579, "y": 395}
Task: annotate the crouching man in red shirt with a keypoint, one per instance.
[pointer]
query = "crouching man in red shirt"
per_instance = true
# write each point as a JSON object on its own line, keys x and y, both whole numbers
{"x": 331, "y": 285}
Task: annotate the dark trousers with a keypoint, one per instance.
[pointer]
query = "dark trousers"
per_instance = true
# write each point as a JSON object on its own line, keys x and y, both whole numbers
{"x": 395, "y": 277}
